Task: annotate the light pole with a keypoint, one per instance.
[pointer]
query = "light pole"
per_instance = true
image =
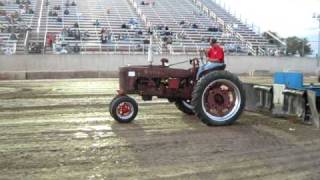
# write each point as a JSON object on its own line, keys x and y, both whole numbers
{"x": 317, "y": 17}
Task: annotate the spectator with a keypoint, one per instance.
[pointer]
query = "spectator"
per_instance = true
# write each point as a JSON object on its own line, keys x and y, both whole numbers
{"x": 30, "y": 11}
{"x": 59, "y": 19}
{"x": 13, "y": 36}
{"x": 69, "y": 32}
{"x": 169, "y": 40}
{"x": 194, "y": 26}
{"x": 146, "y": 41}
{"x": 133, "y": 21}
{"x": 77, "y": 35}
{"x": 109, "y": 36}
{"x": 67, "y": 3}
{"x": 76, "y": 48}
{"x": 140, "y": 33}
{"x": 203, "y": 39}
{"x": 211, "y": 29}
{"x": 76, "y": 25}
{"x": 124, "y": 26}
{"x": 57, "y": 8}
{"x": 73, "y": 3}
{"x": 235, "y": 26}
{"x": 50, "y": 40}
{"x": 165, "y": 39}
{"x": 3, "y": 12}
{"x": 103, "y": 38}
{"x": 10, "y": 19}
{"x": 2, "y": 27}
{"x": 182, "y": 23}
{"x": 16, "y": 15}
{"x": 63, "y": 34}
{"x": 34, "y": 48}
{"x": 96, "y": 23}
{"x": 158, "y": 27}
{"x": 138, "y": 47}
{"x": 103, "y": 30}
{"x": 29, "y": 28}
{"x": 53, "y": 13}
{"x": 85, "y": 35}
{"x": 185, "y": 25}
{"x": 150, "y": 31}
{"x": 66, "y": 12}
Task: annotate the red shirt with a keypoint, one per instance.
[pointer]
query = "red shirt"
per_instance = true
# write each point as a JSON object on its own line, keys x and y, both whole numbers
{"x": 216, "y": 54}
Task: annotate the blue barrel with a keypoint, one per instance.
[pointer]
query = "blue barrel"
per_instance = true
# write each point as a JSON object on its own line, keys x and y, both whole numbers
{"x": 292, "y": 80}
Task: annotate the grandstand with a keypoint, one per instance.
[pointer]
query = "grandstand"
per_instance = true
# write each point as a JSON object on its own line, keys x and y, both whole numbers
{"x": 122, "y": 27}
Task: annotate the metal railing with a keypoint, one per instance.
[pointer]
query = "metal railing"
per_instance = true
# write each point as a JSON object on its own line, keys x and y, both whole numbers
{"x": 228, "y": 27}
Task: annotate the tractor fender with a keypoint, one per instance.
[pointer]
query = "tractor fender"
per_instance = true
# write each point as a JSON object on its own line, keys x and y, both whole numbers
{"x": 202, "y": 71}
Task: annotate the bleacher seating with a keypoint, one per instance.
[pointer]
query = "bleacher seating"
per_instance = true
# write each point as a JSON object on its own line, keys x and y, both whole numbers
{"x": 172, "y": 13}
{"x": 18, "y": 26}
{"x": 189, "y": 26}
{"x": 244, "y": 30}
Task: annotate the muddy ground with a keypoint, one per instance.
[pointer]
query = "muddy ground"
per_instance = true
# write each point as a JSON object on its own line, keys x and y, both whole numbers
{"x": 60, "y": 129}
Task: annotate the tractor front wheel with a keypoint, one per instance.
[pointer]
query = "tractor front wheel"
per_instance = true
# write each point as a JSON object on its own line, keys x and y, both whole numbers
{"x": 123, "y": 109}
{"x": 218, "y": 98}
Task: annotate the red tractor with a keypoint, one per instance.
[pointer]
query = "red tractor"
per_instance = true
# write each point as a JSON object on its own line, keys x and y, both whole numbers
{"x": 215, "y": 96}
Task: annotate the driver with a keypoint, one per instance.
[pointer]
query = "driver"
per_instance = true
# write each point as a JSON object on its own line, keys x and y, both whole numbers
{"x": 215, "y": 55}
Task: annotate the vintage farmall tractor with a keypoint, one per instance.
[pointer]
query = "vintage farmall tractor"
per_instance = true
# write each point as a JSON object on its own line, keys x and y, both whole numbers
{"x": 215, "y": 96}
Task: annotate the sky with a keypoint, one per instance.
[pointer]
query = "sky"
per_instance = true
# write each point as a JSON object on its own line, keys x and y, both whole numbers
{"x": 286, "y": 17}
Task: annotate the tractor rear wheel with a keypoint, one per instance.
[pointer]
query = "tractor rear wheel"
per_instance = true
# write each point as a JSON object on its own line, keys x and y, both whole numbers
{"x": 123, "y": 109}
{"x": 185, "y": 106}
{"x": 218, "y": 98}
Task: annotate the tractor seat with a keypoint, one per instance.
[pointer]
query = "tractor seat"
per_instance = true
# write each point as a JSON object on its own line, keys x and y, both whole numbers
{"x": 210, "y": 67}
{"x": 220, "y": 67}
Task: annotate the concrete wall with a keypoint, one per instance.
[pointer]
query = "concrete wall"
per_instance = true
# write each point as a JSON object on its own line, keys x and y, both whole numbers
{"x": 106, "y": 65}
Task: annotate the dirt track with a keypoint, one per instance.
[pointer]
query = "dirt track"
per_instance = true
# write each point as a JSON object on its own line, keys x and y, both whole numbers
{"x": 61, "y": 130}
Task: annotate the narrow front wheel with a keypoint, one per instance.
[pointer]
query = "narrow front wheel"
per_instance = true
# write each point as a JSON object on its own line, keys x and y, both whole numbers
{"x": 123, "y": 109}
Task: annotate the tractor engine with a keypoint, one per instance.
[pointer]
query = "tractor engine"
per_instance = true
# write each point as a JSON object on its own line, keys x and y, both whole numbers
{"x": 157, "y": 81}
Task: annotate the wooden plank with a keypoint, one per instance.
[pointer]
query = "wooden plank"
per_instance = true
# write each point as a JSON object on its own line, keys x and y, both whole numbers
{"x": 313, "y": 107}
